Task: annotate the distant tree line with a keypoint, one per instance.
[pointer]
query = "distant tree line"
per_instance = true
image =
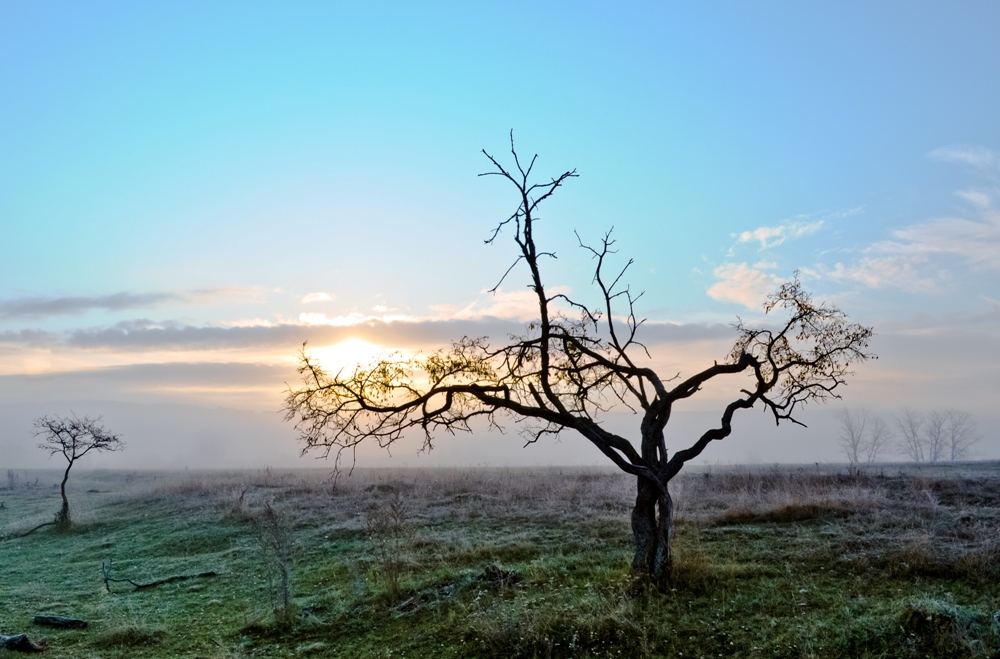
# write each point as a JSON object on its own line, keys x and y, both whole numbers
{"x": 936, "y": 436}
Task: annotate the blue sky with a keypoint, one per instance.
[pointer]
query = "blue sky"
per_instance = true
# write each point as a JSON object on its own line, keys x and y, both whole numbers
{"x": 176, "y": 178}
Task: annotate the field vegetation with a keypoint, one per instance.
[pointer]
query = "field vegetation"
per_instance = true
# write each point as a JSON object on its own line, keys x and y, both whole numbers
{"x": 770, "y": 562}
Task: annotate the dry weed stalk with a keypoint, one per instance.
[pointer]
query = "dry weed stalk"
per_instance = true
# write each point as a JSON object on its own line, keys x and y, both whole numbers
{"x": 274, "y": 538}
{"x": 391, "y": 536}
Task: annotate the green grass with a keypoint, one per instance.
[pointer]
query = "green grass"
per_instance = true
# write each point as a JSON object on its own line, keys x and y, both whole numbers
{"x": 512, "y": 563}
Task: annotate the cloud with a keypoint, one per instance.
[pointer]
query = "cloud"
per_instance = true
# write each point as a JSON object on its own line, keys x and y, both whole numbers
{"x": 882, "y": 272}
{"x": 351, "y": 319}
{"x": 319, "y": 296}
{"x": 977, "y": 242}
{"x": 907, "y": 261}
{"x": 137, "y": 336}
{"x": 975, "y": 197}
{"x": 764, "y": 234}
{"x": 914, "y": 257}
{"x": 774, "y": 236}
{"x": 141, "y": 336}
{"x": 743, "y": 284}
{"x": 28, "y": 337}
{"x": 151, "y": 377}
{"x": 518, "y": 305}
{"x": 797, "y": 227}
{"x": 41, "y": 307}
{"x": 970, "y": 154}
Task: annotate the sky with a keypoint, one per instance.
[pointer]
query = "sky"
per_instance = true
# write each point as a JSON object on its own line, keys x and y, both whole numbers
{"x": 189, "y": 191}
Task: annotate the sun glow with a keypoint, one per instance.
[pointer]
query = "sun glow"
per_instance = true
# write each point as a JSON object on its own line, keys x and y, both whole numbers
{"x": 347, "y": 354}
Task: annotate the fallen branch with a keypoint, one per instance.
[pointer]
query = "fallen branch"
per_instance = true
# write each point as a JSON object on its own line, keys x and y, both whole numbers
{"x": 106, "y": 570}
{"x": 27, "y": 533}
{"x": 60, "y": 622}
{"x": 20, "y": 643}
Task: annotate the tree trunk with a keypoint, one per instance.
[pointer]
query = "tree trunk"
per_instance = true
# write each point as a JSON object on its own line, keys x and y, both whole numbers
{"x": 652, "y": 529}
{"x": 644, "y": 526}
{"x": 62, "y": 517}
{"x": 663, "y": 560}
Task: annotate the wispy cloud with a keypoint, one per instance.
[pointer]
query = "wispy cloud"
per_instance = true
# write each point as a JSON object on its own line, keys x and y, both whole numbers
{"x": 517, "y": 305}
{"x": 741, "y": 283}
{"x": 881, "y": 272}
{"x": 319, "y": 296}
{"x": 774, "y": 236}
{"x": 39, "y": 307}
{"x": 43, "y": 307}
{"x": 975, "y": 197}
{"x": 977, "y": 242}
{"x": 796, "y": 227}
{"x": 918, "y": 257}
{"x": 970, "y": 154}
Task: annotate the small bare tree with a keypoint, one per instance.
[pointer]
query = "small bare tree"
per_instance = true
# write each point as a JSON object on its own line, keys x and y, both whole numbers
{"x": 960, "y": 434}
{"x": 572, "y": 364}
{"x": 74, "y": 438}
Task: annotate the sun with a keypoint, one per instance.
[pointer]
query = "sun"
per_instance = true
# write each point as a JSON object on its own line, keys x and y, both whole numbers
{"x": 346, "y": 355}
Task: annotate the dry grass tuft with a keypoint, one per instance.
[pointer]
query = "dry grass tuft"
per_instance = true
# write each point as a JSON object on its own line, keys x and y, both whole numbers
{"x": 945, "y": 629}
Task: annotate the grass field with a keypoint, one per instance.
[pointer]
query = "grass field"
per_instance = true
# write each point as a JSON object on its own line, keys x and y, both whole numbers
{"x": 771, "y": 562}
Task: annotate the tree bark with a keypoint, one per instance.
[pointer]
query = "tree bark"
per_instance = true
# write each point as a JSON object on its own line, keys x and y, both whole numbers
{"x": 652, "y": 529}
{"x": 19, "y": 643}
{"x": 60, "y": 621}
{"x": 644, "y": 526}
{"x": 62, "y": 518}
{"x": 663, "y": 559}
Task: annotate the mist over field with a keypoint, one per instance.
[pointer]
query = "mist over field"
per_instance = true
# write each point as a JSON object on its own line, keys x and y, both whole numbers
{"x": 177, "y": 436}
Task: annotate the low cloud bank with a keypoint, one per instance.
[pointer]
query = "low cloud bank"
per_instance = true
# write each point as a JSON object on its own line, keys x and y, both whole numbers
{"x": 145, "y": 335}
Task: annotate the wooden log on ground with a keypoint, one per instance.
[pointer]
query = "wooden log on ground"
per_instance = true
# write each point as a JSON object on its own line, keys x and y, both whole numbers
{"x": 19, "y": 643}
{"x": 60, "y": 621}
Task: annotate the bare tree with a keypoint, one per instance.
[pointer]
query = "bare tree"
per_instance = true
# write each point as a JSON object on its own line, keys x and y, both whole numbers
{"x": 911, "y": 434}
{"x": 935, "y": 439}
{"x": 852, "y": 438}
{"x": 73, "y": 437}
{"x": 863, "y": 435}
{"x": 879, "y": 437}
{"x": 572, "y": 364}
{"x": 960, "y": 434}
